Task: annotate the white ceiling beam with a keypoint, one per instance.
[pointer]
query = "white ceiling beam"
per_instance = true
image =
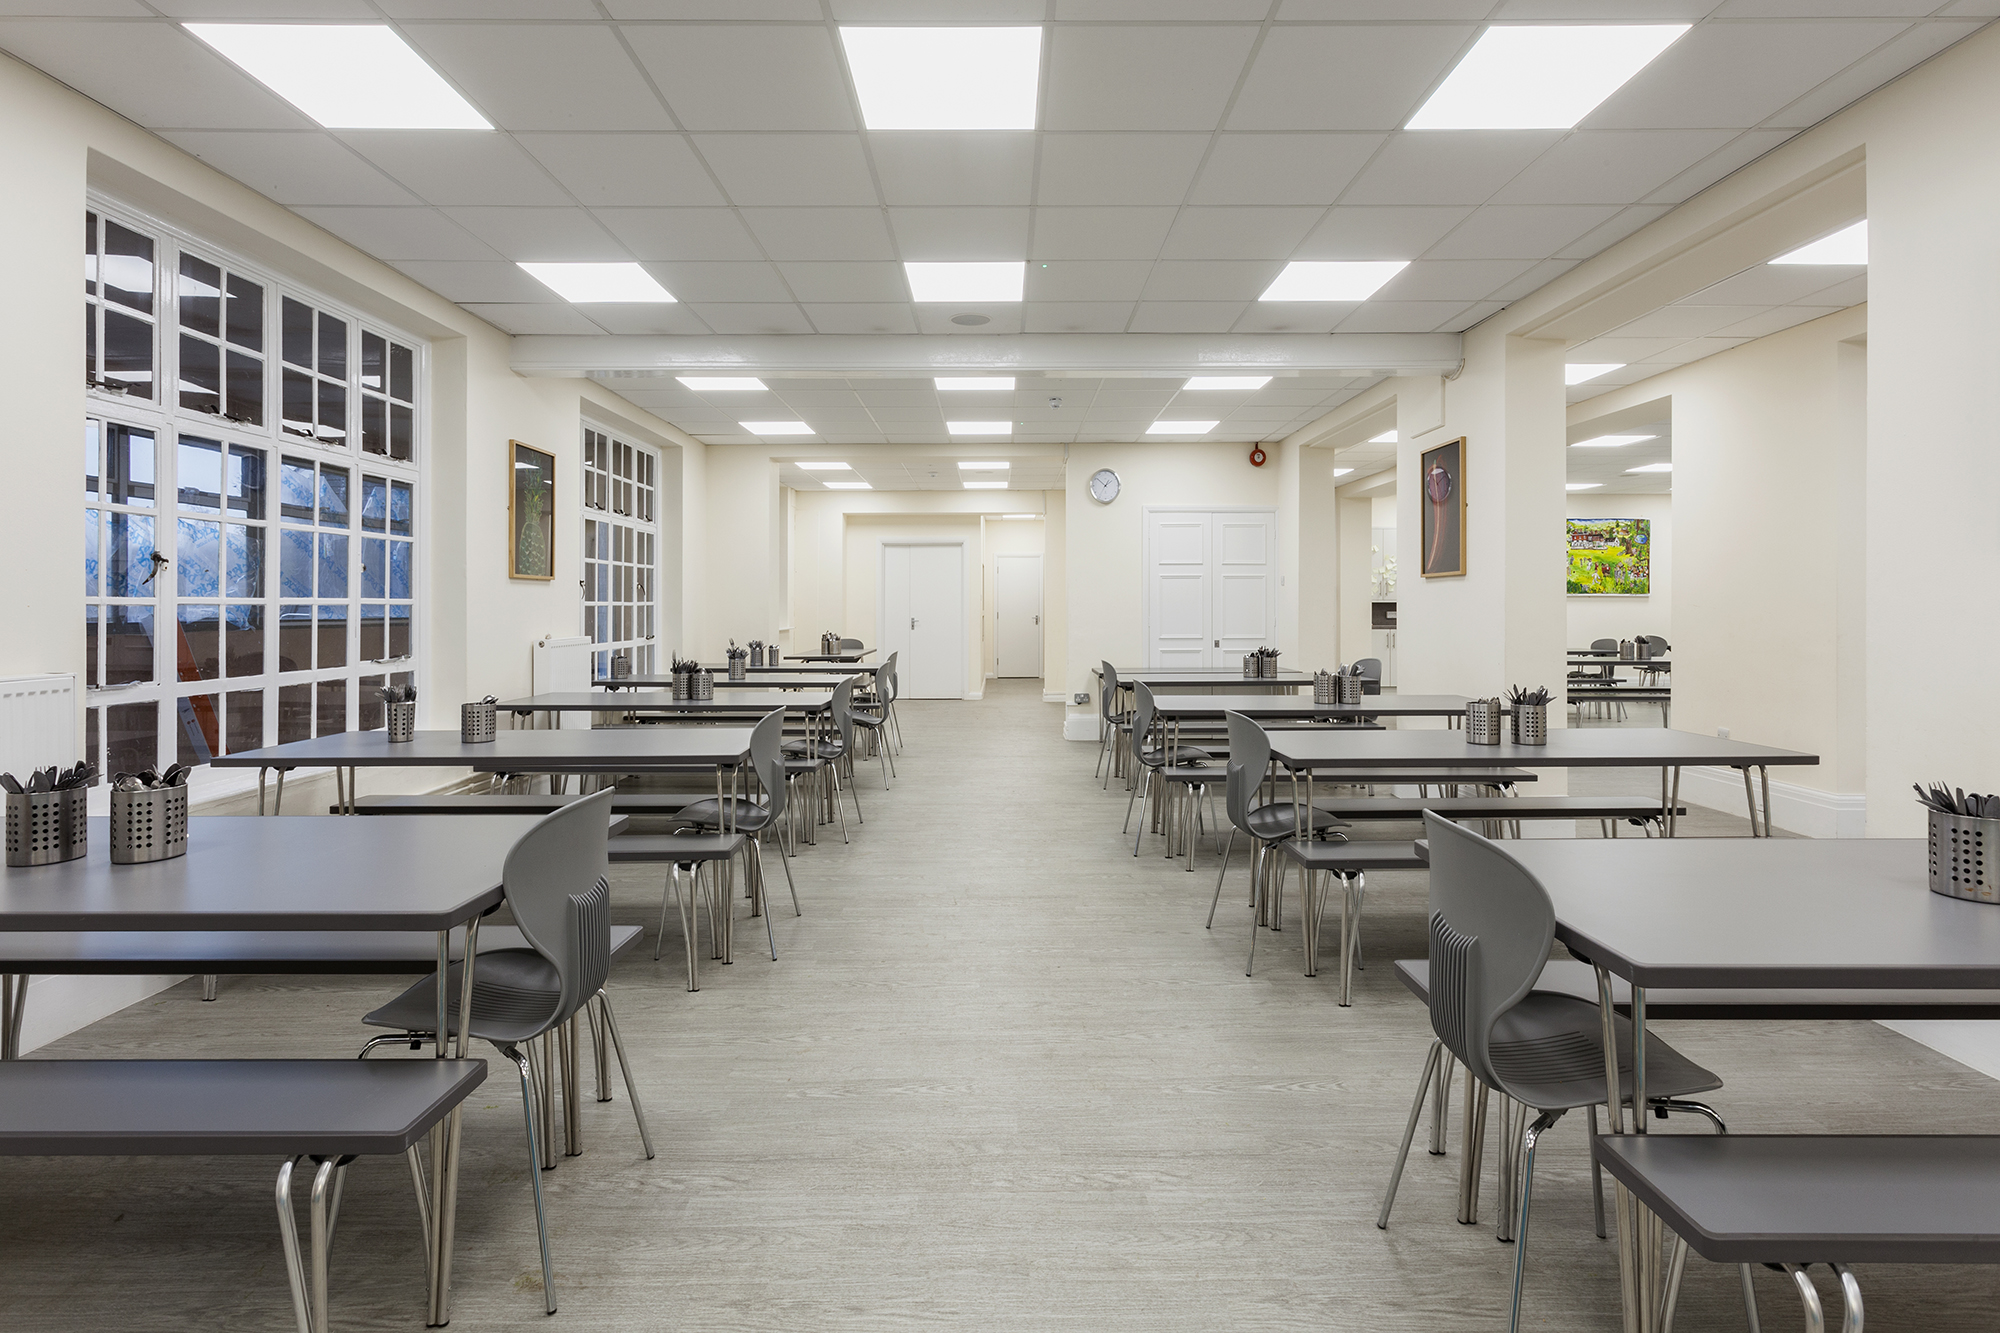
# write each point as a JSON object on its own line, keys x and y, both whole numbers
{"x": 915, "y": 356}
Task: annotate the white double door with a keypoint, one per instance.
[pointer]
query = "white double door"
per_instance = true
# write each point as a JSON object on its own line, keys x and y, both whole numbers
{"x": 1211, "y": 586}
{"x": 923, "y": 618}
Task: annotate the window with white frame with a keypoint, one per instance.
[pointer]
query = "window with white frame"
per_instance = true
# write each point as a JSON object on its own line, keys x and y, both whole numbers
{"x": 621, "y": 544}
{"x": 249, "y": 574}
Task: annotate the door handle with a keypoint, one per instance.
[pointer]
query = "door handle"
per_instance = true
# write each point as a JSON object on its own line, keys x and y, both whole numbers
{"x": 1038, "y": 620}
{"x": 913, "y": 622}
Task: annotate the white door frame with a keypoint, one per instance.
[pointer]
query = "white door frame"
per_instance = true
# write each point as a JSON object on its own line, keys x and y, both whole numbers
{"x": 1146, "y": 513}
{"x": 1041, "y": 599}
{"x": 881, "y": 599}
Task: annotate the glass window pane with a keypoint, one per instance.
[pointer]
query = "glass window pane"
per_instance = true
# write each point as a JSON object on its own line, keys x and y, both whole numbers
{"x": 294, "y": 714}
{"x": 333, "y": 497}
{"x": 246, "y": 389}
{"x": 295, "y": 490}
{"x": 128, "y": 644}
{"x": 332, "y": 412}
{"x": 295, "y": 563}
{"x": 332, "y": 346}
{"x": 399, "y": 508}
{"x": 246, "y": 313}
{"x": 89, "y": 343}
{"x": 128, "y": 353}
{"x": 132, "y": 738}
{"x": 200, "y": 475}
{"x": 201, "y": 375}
{"x": 374, "y": 631}
{"x": 91, "y": 431}
{"x": 332, "y": 634}
{"x": 332, "y": 707}
{"x": 246, "y": 721}
{"x": 198, "y": 652}
{"x": 246, "y": 481}
{"x": 374, "y": 425}
{"x": 198, "y": 557}
{"x": 128, "y": 556}
{"x": 399, "y": 569}
{"x": 402, "y": 430}
{"x": 90, "y": 553}
{"x": 368, "y": 703}
{"x": 200, "y": 289}
{"x": 295, "y": 638}
{"x": 399, "y": 630}
{"x": 374, "y": 503}
{"x": 128, "y": 267}
{"x": 332, "y": 564}
{"x": 90, "y": 637}
{"x": 90, "y": 254}
{"x": 298, "y": 333}
{"x": 374, "y": 567}
{"x": 374, "y": 353}
{"x": 198, "y": 733}
{"x": 128, "y": 456}
{"x": 297, "y": 411}
{"x": 402, "y": 373}
{"x": 243, "y": 641}
{"x": 245, "y": 559}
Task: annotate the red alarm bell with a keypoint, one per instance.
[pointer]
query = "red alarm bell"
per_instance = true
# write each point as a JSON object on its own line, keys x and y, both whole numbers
{"x": 1257, "y": 457}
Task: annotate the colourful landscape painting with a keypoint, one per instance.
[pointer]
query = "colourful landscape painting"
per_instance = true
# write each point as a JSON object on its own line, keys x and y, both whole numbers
{"x": 1610, "y": 556}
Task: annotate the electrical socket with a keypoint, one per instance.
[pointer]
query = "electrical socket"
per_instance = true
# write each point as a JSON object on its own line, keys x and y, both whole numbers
{"x": 1082, "y": 696}
{"x": 1722, "y": 732}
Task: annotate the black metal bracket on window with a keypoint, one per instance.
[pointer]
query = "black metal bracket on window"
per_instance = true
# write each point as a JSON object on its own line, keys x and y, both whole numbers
{"x": 160, "y": 562}
{"x": 233, "y": 418}
{"x": 108, "y": 386}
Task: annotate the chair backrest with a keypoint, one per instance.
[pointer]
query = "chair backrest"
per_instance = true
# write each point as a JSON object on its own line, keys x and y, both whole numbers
{"x": 1491, "y": 928}
{"x": 767, "y": 757}
{"x": 846, "y": 644}
{"x": 557, "y": 886}
{"x": 843, "y": 712}
{"x": 1142, "y": 715}
{"x": 1603, "y": 645}
{"x": 1107, "y": 703}
{"x": 1249, "y": 760}
{"x": 1371, "y": 668}
{"x": 886, "y": 686}
{"x": 1657, "y": 644}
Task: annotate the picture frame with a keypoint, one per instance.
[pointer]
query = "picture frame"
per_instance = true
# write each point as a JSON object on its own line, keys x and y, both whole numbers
{"x": 531, "y": 512}
{"x": 1441, "y": 506}
{"x": 1610, "y": 557}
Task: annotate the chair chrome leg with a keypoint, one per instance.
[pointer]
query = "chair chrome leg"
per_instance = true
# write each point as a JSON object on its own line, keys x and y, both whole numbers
{"x": 1472, "y": 1149}
{"x": 1850, "y": 1289}
{"x": 757, "y": 856}
{"x": 1409, "y": 1132}
{"x": 1441, "y": 1103}
{"x": 288, "y": 1230}
{"x": 1126, "y": 827}
{"x": 534, "y": 1172}
{"x": 1226, "y": 849}
{"x": 671, "y": 889}
{"x": 1528, "y": 1140}
{"x": 1670, "y": 1299}
{"x": 1596, "y": 1181}
{"x": 631, "y": 1090}
{"x": 1809, "y": 1297}
{"x": 1750, "y": 1300}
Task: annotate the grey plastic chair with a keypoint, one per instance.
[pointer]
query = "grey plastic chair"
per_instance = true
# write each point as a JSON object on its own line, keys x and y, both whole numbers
{"x": 756, "y": 816}
{"x": 877, "y": 722}
{"x": 1193, "y": 770}
{"x": 557, "y": 886}
{"x": 1371, "y": 675}
{"x": 1491, "y": 930}
{"x": 835, "y": 755}
{"x": 1114, "y": 725}
{"x": 1266, "y": 824}
{"x": 848, "y": 645}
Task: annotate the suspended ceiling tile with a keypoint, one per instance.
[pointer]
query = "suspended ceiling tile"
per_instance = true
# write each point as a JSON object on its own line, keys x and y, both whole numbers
{"x": 1210, "y": 280}
{"x": 1619, "y": 348}
{"x": 1292, "y": 317}
{"x": 861, "y": 317}
{"x": 1111, "y": 78}
{"x": 955, "y": 169}
{"x": 458, "y": 166}
{"x": 779, "y": 169}
{"x": 1520, "y": 232}
{"x": 293, "y": 167}
{"x": 1744, "y": 149}
{"x": 821, "y": 233}
{"x": 680, "y": 233}
{"x": 1735, "y": 75}
{"x": 489, "y": 9}
{"x": 536, "y": 319}
{"x": 1076, "y": 316}
{"x": 703, "y": 282}
{"x": 1087, "y": 280}
{"x": 1469, "y": 316}
{"x": 1774, "y": 284}
{"x": 812, "y": 280}
{"x": 1239, "y": 233}
{"x": 1100, "y": 233}
{"x": 646, "y": 320}
{"x": 1448, "y": 166}
{"x": 495, "y": 281}
{"x": 396, "y": 234}
{"x": 1186, "y": 316}
{"x": 999, "y": 318}
{"x": 1355, "y": 10}
{"x": 753, "y": 317}
{"x": 737, "y": 10}
{"x": 1399, "y": 316}
{"x": 554, "y": 235}
{"x": 1846, "y": 292}
{"x": 625, "y": 169}
{"x": 153, "y": 73}
{"x": 1775, "y": 320}
{"x": 1460, "y": 280}
{"x": 1610, "y": 166}
{"x": 1899, "y": 55}
{"x": 1383, "y": 232}
{"x": 1282, "y": 168}
{"x": 1351, "y": 77}
{"x": 1098, "y": 169}
{"x": 747, "y": 76}
{"x": 949, "y": 234}
{"x": 542, "y": 76}
{"x": 1622, "y": 224}
{"x": 1686, "y": 320}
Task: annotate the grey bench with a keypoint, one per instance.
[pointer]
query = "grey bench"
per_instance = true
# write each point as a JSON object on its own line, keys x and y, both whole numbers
{"x": 1789, "y": 1201}
{"x": 499, "y": 803}
{"x": 329, "y": 1111}
{"x": 1348, "y": 862}
{"x": 1608, "y": 810}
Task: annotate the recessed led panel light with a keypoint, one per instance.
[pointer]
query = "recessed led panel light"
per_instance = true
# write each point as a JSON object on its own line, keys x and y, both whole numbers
{"x": 1332, "y": 280}
{"x": 600, "y": 283}
{"x": 1611, "y": 441}
{"x": 981, "y": 467}
{"x": 721, "y": 383}
{"x": 825, "y": 467}
{"x": 1386, "y": 437}
{"x": 1580, "y": 372}
{"x": 347, "y": 76}
{"x": 1020, "y": 515}
{"x": 981, "y": 383}
{"x": 1849, "y": 245}
{"x": 945, "y": 78}
{"x": 847, "y": 485}
{"x": 1182, "y": 427}
{"x": 984, "y": 485}
{"x": 970, "y": 282}
{"x": 1541, "y": 77}
{"x": 980, "y": 427}
{"x": 1582, "y": 485}
{"x": 1652, "y": 467}
{"x": 1237, "y": 382}
{"x": 1342, "y": 471}
{"x": 776, "y": 427}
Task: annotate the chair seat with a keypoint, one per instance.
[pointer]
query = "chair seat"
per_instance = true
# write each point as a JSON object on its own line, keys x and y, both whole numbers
{"x": 751, "y": 816}
{"x": 1183, "y": 754}
{"x": 866, "y": 719}
{"x": 1281, "y": 820}
{"x": 514, "y": 995}
{"x": 827, "y": 749}
{"x": 1549, "y": 1051}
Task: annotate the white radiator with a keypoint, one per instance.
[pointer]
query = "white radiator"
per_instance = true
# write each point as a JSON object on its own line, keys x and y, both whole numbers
{"x": 562, "y": 666}
{"x": 37, "y": 723}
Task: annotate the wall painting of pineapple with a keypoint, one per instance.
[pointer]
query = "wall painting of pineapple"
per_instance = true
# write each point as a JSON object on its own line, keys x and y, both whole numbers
{"x": 531, "y": 513}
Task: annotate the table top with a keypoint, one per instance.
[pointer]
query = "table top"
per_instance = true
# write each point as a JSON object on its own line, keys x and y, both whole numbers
{"x": 754, "y": 703}
{"x": 414, "y": 872}
{"x": 1764, "y": 912}
{"x": 1613, "y": 660}
{"x": 609, "y": 750}
{"x": 850, "y": 655}
{"x": 819, "y": 677}
{"x": 1302, "y": 706}
{"x": 1568, "y": 747}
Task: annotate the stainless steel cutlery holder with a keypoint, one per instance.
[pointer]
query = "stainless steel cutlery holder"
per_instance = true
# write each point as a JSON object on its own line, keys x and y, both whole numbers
{"x": 478, "y": 722}
{"x": 149, "y": 825}
{"x": 1531, "y": 724}
{"x": 1965, "y": 857}
{"x": 1482, "y": 721}
{"x": 402, "y": 721}
{"x": 46, "y": 827}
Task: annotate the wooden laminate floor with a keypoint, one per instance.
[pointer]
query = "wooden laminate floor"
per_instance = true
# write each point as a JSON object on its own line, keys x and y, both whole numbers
{"x": 999, "y": 1079}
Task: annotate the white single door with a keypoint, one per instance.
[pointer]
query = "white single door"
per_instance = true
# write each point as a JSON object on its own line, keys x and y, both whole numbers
{"x": 1178, "y": 590}
{"x": 1245, "y": 584}
{"x": 1017, "y": 615}
{"x": 923, "y": 618}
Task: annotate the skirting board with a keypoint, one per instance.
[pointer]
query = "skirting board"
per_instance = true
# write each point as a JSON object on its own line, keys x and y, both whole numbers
{"x": 1803, "y": 810}
{"x": 1053, "y": 697}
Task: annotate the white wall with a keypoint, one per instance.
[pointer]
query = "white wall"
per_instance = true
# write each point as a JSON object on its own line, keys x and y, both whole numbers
{"x": 1598, "y": 617}
{"x": 1003, "y": 536}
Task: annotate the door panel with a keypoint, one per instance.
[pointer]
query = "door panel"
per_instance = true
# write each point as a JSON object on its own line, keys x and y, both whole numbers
{"x": 1017, "y": 616}
{"x": 1178, "y": 590}
{"x": 1245, "y": 581}
{"x": 923, "y": 618}
{"x": 1210, "y": 587}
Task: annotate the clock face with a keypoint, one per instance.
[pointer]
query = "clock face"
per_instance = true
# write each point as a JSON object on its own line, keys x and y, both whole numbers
{"x": 1104, "y": 486}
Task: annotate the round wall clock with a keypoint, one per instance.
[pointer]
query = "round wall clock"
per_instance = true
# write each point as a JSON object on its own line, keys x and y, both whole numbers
{"x": 1104, "y": 486}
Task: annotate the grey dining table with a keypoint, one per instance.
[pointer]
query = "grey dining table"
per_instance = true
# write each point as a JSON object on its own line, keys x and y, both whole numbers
{"x": 1303, "y": 751}
{"x": 794, "y": 675}
{"x": 422, "y": 873}
{"x": 734, "y": 703}
{"x": 1184, "y": 682}
{"x": 847, "y": 656}
{"x": 1853, "y": 914}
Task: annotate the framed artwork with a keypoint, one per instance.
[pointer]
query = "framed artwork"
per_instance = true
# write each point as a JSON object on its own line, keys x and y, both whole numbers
{"x": 1441, "y": 488}
{"x": 531, "y": 513}
{"x": 1610, "y": 557}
